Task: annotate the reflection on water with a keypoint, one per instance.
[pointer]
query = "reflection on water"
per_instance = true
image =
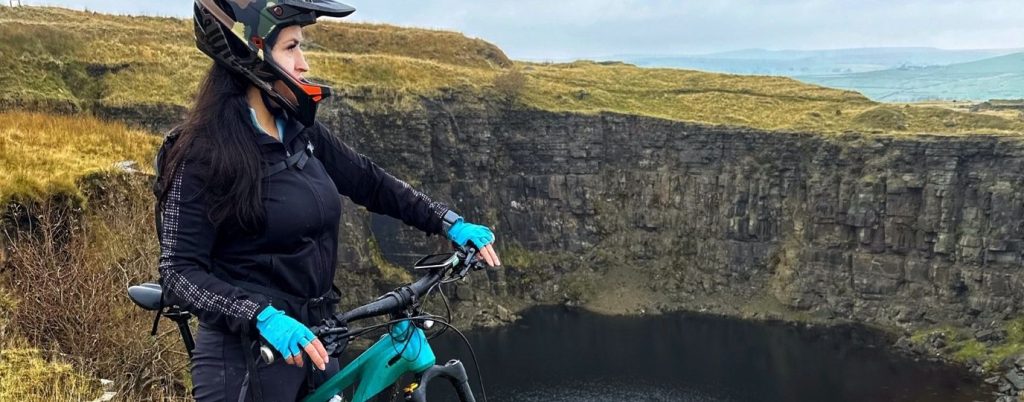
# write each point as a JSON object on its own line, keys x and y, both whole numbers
{"x": 611, "y": 390}
{"x": 556, "y": 354}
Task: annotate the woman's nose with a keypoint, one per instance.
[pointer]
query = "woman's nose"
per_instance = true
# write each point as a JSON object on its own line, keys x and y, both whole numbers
{"x": 300, "y": 65}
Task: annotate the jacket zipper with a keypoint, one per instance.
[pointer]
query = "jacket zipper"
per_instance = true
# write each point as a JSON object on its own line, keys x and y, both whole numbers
{"x": 320, "y": 207}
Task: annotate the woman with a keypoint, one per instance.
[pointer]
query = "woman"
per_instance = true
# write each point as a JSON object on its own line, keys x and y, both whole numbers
{"x": 249, "y": 205}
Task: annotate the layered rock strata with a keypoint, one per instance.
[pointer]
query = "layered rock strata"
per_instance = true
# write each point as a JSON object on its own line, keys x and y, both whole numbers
{"x": 892, "y": 230}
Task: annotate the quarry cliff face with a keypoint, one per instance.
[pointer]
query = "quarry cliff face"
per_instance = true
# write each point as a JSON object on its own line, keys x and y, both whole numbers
{"x": 636, "y": 214}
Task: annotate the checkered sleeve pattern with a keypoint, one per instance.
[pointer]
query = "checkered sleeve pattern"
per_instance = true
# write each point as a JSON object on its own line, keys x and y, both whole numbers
{"x": 436, "y": 208}
{"x": 369, "y": 185}
{"x": 184, "y": 276}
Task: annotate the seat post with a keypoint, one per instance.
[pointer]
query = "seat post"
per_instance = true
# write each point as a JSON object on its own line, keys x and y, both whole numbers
{"x": 181, "y": 318}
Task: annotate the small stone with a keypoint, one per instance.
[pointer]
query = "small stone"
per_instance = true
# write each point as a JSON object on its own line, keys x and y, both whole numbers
{"x": 990, "y": 335}
{"x": 127, "y": 166}
{"x": 463, "y": 293}
{"x": 504, "y": 314}
{"x": 904, "y": 344}
{"x": 1019, "y": 362}
{"x": 992, "y": 380}
{"x": 1016, "y": 378}
{"x": 1007, "y": 364}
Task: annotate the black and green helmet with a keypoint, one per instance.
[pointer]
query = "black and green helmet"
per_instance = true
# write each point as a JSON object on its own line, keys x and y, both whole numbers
{"x": 235, "y": 33}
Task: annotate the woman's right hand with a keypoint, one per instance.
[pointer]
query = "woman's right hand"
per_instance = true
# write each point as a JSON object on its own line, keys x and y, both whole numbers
{"x": 290, "y": 338}
{"x": 463, "y": 232}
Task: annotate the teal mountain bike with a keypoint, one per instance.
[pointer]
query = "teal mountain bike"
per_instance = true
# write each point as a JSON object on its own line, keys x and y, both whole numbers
{"x": 403, "y": 349}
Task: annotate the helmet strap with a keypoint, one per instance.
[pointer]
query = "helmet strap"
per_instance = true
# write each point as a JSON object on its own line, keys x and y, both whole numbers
{"x": 272, "y": 105}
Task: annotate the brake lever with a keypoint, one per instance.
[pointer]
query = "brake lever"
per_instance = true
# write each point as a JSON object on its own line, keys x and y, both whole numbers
{"x": 469, "y": 260}
{"x": 335, "y": 344}
{"x": 333, "y": 335}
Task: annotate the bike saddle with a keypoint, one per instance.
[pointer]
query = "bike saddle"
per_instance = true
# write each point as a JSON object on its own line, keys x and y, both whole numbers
{"x": 146, "y": 295}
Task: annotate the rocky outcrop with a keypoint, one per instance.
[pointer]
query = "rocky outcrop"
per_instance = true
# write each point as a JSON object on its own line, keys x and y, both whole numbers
{"x": 896, "y": 231}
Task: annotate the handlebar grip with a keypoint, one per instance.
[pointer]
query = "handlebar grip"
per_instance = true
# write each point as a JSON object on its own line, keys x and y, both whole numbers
{"x": 394, "y": 301}
{"x": 384, "y": 305}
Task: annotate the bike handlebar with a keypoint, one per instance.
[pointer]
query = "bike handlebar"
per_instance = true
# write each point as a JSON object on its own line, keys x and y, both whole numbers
{"x": 394, "y": 301}
{"x": 335, "y": 331}
{"x": 406, "y": 296}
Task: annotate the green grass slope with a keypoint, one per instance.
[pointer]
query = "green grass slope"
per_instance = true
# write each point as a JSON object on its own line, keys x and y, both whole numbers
{"x": 994, "y": 78}
{"x": 57, "y": 58}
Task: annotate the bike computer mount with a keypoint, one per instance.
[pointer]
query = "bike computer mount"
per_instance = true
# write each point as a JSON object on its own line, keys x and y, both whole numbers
{"x": 437, "y": 261}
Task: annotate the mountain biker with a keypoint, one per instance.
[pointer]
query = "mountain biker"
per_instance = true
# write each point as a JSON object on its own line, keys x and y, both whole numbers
{"x": 249, "y": 208}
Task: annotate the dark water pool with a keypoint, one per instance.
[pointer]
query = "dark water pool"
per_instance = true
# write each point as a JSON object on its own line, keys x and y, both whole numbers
{"x": 557, "y": 354}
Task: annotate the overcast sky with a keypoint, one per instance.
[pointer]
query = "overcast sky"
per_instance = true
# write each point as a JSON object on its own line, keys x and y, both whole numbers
{"x": 565, "y": 29}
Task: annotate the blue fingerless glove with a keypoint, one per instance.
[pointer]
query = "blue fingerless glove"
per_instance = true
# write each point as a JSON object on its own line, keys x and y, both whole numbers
{"x": 462, "y": 232}
{"x": 284, "y": 333}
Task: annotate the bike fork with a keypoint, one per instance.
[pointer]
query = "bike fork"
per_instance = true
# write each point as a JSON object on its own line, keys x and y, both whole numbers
{"x": 453, "y": 371}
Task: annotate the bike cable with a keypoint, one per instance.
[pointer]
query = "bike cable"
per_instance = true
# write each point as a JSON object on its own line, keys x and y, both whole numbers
{"x": 472, "y": 353}
{"x": 447, "y": 307}
{"x": 442, "y": 321}
{"x": 406, "y": 340}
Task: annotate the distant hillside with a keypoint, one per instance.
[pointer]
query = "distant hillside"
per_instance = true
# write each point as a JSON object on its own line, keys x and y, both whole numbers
{"x": 813, "y": 62}
{"x": 54, "y": 59}
{"x": 994, "y": 78}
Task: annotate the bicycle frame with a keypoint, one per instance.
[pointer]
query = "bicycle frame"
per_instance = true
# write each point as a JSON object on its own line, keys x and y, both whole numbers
{"x": 404, "y": 349}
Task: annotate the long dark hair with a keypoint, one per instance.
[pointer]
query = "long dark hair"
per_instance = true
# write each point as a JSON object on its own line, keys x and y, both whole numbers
{"x": 217, "y": 136}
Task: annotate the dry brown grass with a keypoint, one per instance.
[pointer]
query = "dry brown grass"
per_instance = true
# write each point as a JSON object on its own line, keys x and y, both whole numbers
{"x": 44, "y": 155}
{"x": 28, "y": 376}
{"x": 434, "y": 45}
{"x": 70, "y": 269}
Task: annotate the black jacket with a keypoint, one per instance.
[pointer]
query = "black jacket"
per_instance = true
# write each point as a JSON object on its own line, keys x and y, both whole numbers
{"x": 226, "y": 277}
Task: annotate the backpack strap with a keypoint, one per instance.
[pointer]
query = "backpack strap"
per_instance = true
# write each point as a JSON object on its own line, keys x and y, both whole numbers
{"x": 169, "y": 139}
{"x": 158, "y": 182}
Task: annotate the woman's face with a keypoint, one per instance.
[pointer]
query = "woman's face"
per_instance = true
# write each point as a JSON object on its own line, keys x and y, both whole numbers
{"x": 287, "y": 52}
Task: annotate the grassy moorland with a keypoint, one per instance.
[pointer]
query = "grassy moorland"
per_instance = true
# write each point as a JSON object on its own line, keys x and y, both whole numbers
{"x": 71, "y": 59}
{"x": 57, "y": 65}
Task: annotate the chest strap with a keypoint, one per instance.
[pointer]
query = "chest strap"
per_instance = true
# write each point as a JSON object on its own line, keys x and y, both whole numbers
{"x": 298, "y": 160}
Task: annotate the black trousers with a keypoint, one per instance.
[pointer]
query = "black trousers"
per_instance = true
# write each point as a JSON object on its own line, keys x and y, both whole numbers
{"x": 219, "y": 371}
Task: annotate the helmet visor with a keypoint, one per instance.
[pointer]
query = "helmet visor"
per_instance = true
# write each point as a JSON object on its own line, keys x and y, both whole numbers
{"x": 254, "y": 21}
